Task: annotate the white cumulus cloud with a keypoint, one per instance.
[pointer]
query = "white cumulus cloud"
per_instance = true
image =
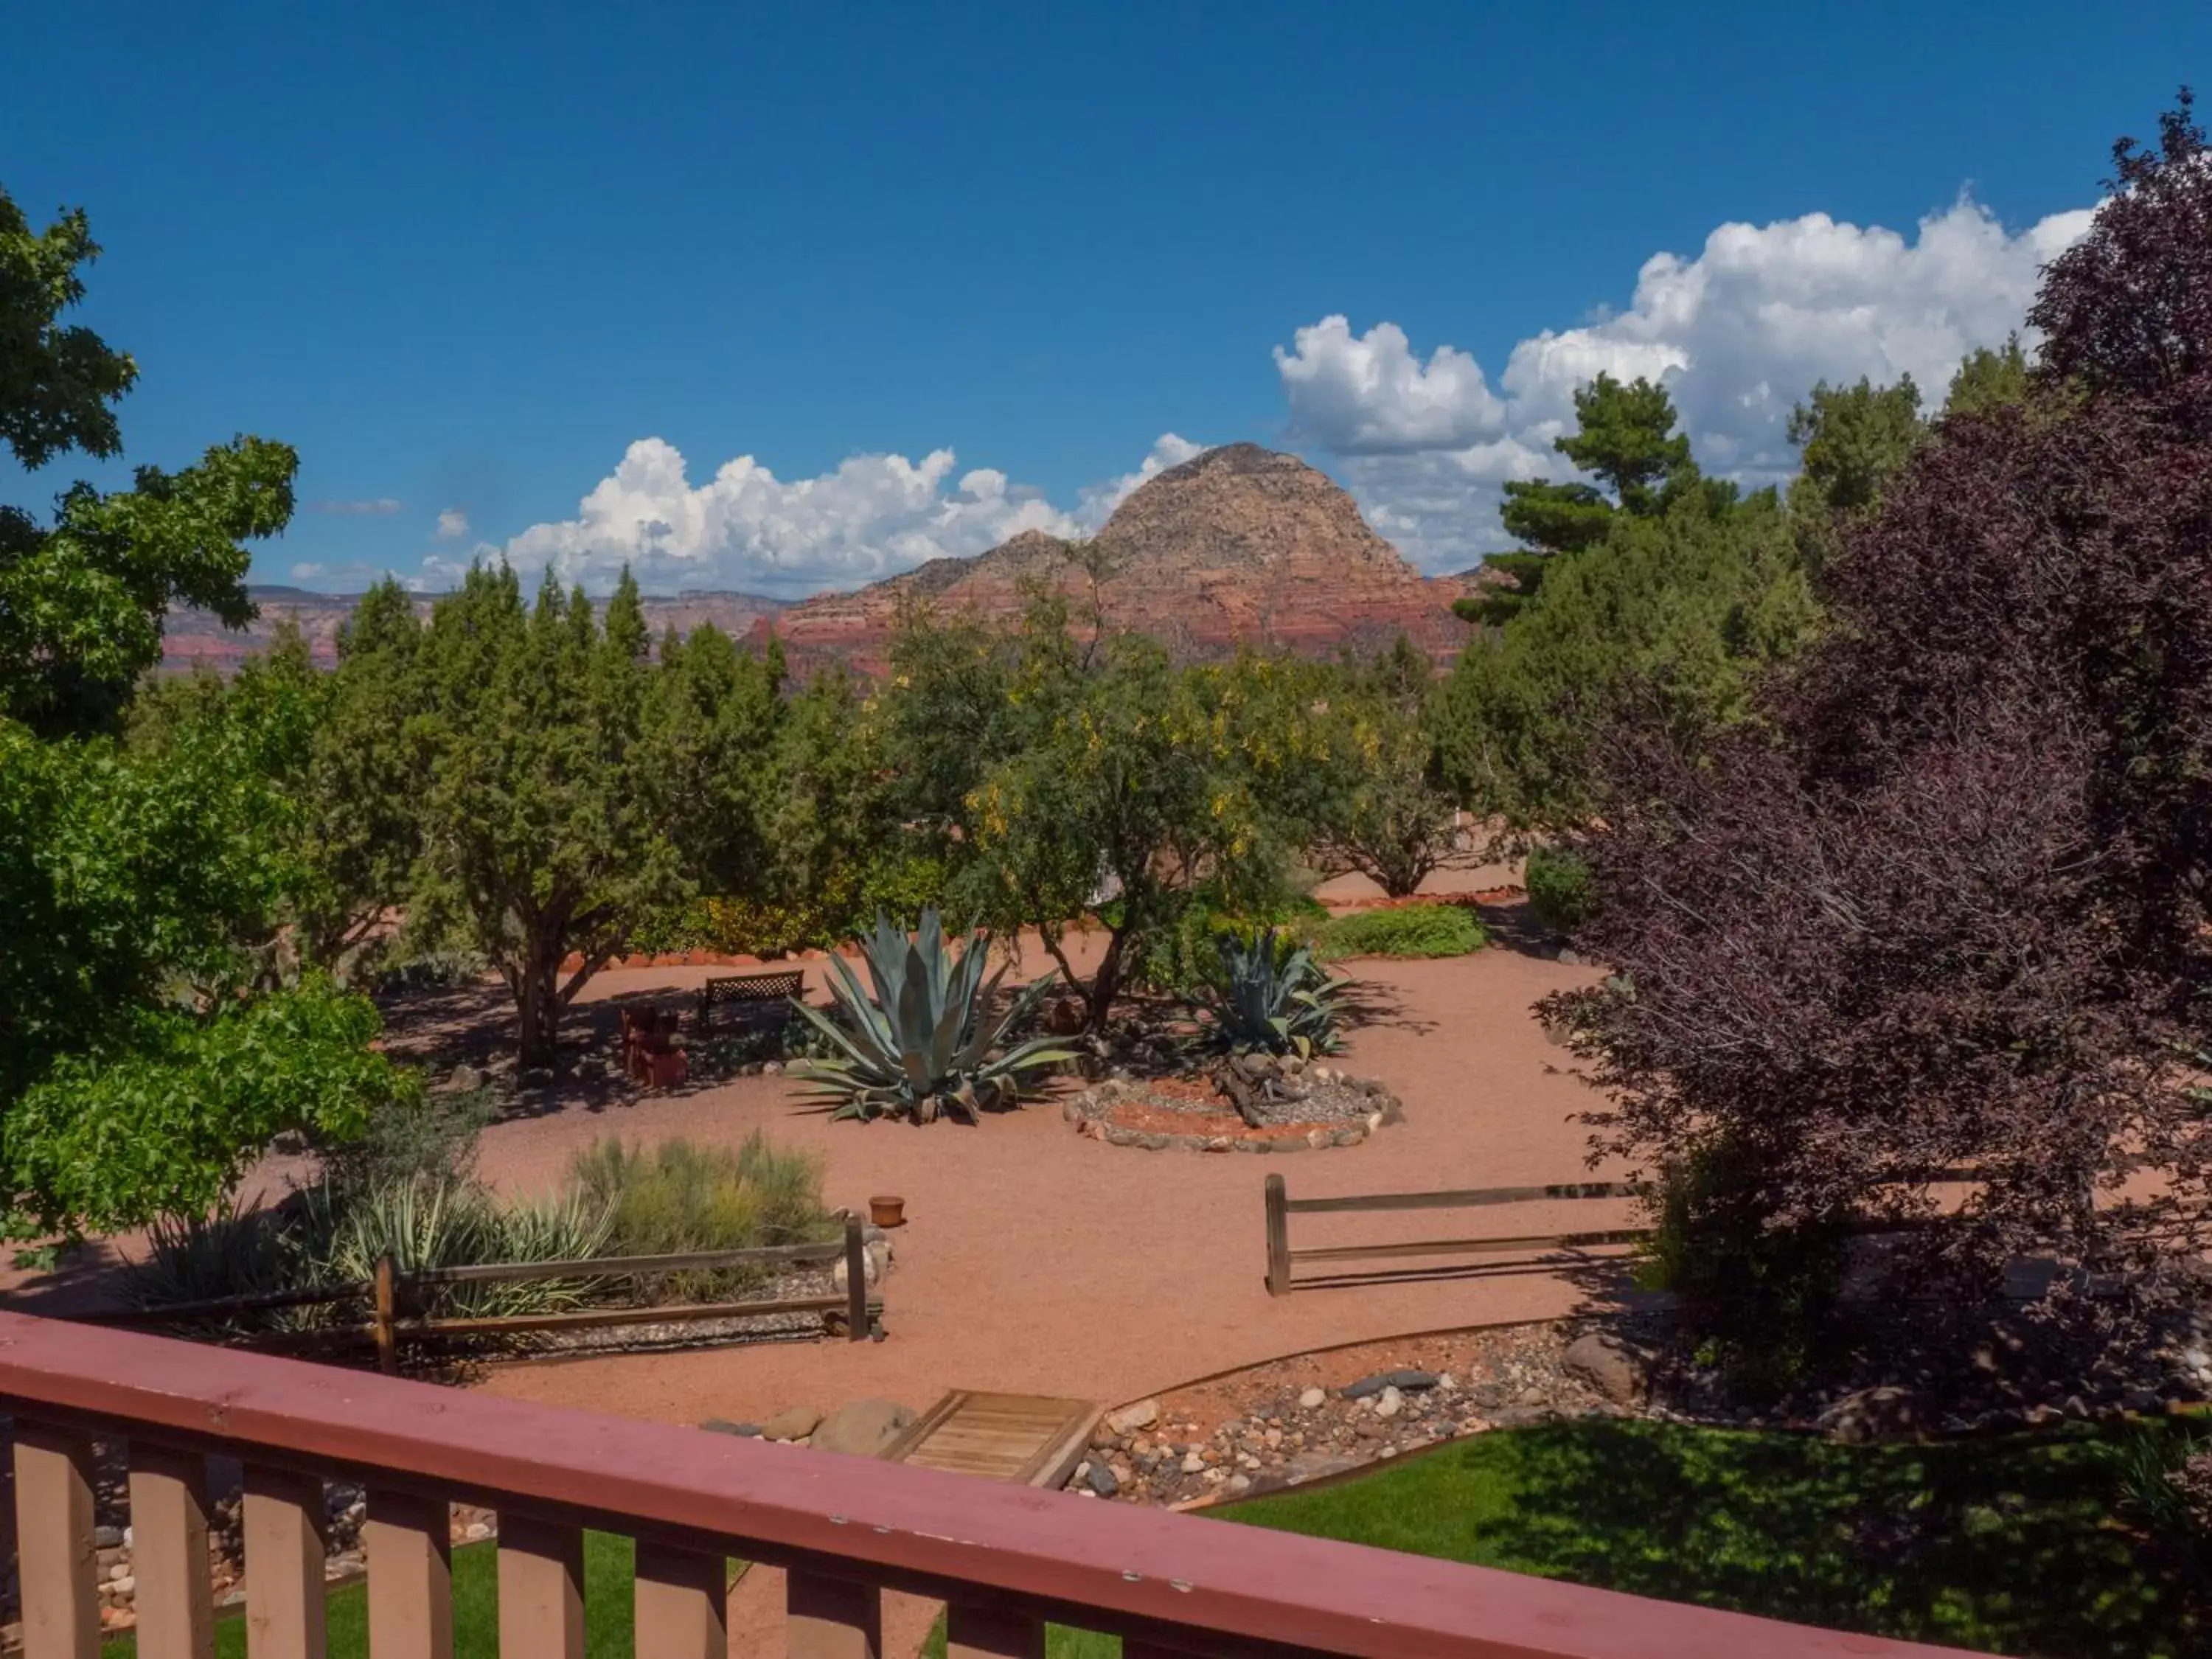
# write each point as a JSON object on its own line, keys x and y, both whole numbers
{"x": 1738, "y": 333}
{"x": 1368, "y": 394}
{"x": 452, "y": 525}
{"x": 873, "y": 516}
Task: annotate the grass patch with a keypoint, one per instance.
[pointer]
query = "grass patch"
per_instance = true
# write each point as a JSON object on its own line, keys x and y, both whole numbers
{"x": 2026, "y": 1545}
{"x": 1408, "y": 930}
{"x": 609, "y": 1565}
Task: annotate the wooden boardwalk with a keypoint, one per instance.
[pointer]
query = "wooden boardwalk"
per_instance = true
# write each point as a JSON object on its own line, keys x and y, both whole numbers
{"x": 1023, "y": 1440}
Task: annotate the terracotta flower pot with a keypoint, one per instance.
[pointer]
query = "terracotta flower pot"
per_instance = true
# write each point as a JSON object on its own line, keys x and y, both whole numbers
{"x": 887, "y": 1211}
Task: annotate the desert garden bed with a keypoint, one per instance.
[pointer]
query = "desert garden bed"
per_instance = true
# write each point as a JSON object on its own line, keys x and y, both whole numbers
{"x": 1245, "y": 1103}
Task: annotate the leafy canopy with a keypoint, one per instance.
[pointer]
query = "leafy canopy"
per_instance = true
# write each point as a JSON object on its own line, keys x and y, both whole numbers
{"x": 1947, "y": 903}
{"x": 152, "y": 1036}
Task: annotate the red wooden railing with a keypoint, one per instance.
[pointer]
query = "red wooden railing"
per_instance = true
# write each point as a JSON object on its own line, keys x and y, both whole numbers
{"x": 1006, "y": 1559}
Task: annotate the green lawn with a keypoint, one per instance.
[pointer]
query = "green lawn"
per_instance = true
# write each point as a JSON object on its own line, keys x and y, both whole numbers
{"x": 2016, "y": 1546}
{"x": 607, "y": 1568}
{"x": 2023, "y": 1546}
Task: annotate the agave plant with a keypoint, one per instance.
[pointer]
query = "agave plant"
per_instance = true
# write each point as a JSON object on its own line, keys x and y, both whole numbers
{"x": 922, "y": 1044}
{"x": 1272, "y": 998}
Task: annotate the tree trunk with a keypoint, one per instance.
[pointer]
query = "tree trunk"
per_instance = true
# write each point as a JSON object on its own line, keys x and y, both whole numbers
{"x": 537, "y": 1005}
{"x": 1106, "y": 983}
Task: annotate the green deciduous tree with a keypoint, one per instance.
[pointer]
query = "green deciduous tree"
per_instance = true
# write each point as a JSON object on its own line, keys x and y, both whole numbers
{"x": 150, "y": 1039}
{"x": 1385, "y": 812}
{"x": 1066, "y": 774}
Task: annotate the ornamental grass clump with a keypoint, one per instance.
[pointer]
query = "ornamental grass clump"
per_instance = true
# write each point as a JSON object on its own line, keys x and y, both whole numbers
{"x": 680, "y": 1199}
{"x": 924, "y": 1043}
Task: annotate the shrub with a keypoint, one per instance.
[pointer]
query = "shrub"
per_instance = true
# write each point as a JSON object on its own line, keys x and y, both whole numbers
{"x": 1560, "y": 889}
{"x": 677, "y": 1197}
{"x": 1409, "y": 930}
{"x": 439, "y": 969}
{"x": 925, "y": 1042}
{"x": 1269, "y": 994}
{"x": 1759, "y": 1292}
{"x": 2165, "y": 1479}
{"x": 428, "y": 1136}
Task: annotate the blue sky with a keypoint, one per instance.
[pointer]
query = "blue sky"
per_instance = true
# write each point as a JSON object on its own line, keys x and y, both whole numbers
{"x": 470, "y": 257}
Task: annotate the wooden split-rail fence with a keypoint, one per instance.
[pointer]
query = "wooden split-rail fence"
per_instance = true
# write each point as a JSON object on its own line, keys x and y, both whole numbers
{"x": 395, "y": 1296}
{"x": 1282, "y": 1260}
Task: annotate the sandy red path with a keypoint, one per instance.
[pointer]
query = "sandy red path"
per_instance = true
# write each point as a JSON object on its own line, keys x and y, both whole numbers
{"x": 1037, "y": 1260}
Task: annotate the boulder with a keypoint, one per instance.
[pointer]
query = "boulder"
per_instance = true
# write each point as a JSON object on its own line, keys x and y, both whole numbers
{"x": 1609, "y": 1365}
{"x": 792, "y": 1422}
{"x": 862, "y": 1429}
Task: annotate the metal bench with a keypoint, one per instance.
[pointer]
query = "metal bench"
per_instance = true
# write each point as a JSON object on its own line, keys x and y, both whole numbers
{"x": 750, "y": 992}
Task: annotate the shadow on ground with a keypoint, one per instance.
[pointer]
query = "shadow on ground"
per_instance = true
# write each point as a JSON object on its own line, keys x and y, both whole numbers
{"x": 2020, "y": 1546}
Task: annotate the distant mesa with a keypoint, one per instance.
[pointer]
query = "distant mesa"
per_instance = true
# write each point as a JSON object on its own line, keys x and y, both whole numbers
{"x": 192, "y": 636}
{"x": 1238, "y": 546}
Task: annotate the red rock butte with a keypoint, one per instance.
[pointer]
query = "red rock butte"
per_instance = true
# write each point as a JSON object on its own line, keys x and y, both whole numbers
{"x": 1239, "y": 546}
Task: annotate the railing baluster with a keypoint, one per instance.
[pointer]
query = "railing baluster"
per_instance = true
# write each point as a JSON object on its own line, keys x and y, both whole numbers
{"x": 407, "y": 1540}
{"x": 830, "y": 1618}
{"x": 286, "y": 1545}
{"x": 979, "y": 1633}
{"x": 680, "y": 1603}
{"x": 169, "y": 1552}
{"x": 53, "y": 1531}
{"x": 541, "y": 1589}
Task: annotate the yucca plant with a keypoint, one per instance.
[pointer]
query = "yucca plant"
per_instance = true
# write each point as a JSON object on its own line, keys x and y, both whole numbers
{"x": 923, "y": 1043}
{"x": 1271, "y": 997}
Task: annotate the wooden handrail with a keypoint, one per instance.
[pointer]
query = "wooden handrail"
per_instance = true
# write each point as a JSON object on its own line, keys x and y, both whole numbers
{"x": 843, "y": 1525}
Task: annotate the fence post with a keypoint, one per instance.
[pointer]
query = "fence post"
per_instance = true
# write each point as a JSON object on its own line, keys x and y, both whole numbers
{"x": 1279, "y": 1238}
{"x": 856, "y": 1279}
{"x": 388, "y": 1298}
